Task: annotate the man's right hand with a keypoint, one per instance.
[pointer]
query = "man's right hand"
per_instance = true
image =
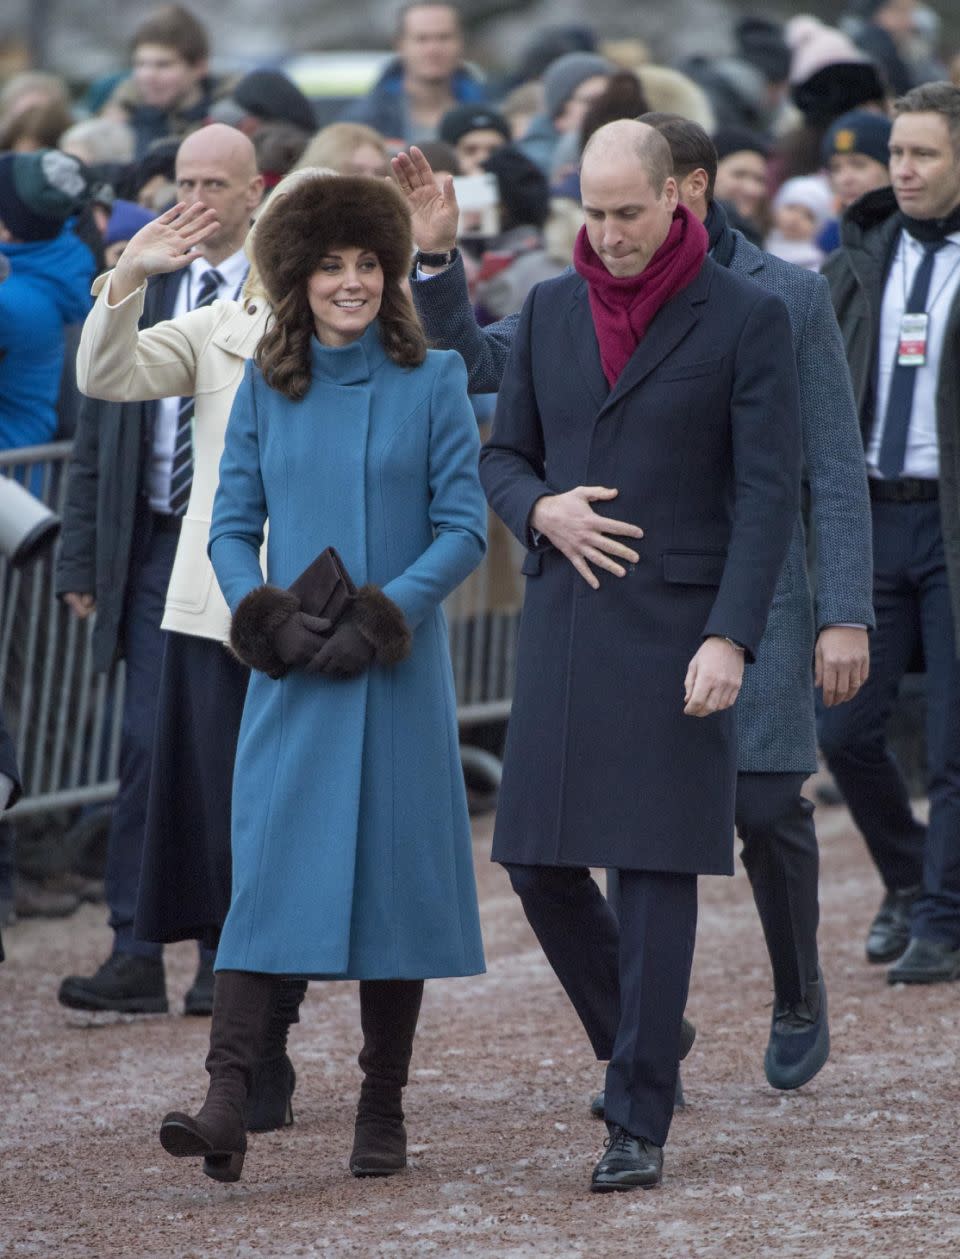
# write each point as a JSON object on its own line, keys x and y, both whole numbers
{"x": 575, "y": 529}
{"x": 80, "y": 605}
{"x": 169, "y": 243}
{"x": 434, "y": 212}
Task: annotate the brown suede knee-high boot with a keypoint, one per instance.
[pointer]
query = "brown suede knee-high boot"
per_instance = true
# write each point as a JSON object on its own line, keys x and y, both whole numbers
{"x": 389, "y": 1009}
{"x": 269, "y": 1102}
{"x": 242, "y": 1004}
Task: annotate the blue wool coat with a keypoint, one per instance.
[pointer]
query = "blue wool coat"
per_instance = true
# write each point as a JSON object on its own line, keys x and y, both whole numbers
{"x": 351, "y": 840}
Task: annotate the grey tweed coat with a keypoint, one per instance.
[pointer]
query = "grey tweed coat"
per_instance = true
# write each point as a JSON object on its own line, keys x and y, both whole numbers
{"x": 775, "y": 712}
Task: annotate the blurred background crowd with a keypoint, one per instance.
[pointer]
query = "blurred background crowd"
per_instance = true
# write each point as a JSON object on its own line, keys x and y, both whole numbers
{"x": 797, "y": 108}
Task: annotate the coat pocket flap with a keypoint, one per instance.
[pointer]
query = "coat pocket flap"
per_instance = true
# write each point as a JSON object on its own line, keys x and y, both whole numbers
{"x": 684, "y": 371}
{"x": 694, "y": 568}
{"x": 532, "y": 564}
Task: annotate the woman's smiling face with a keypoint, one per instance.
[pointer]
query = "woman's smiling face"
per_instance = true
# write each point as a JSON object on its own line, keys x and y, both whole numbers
{"x": 345, "y": 293}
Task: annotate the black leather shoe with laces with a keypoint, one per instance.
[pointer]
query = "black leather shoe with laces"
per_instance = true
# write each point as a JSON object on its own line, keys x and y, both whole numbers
{"x": 125, "y": 982}
{"x": 628, "y": 1162}
{"x": 926, "y": 962}
{"x": 889, "y": 932}
{"x": 799, "y": 1042}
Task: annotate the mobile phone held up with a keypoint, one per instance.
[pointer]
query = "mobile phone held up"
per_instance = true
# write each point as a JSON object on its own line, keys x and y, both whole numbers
{"x": 478, "y": 197}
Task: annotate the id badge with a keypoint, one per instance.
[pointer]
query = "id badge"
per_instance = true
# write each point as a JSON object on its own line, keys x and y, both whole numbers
{"x": 912, "y": 351}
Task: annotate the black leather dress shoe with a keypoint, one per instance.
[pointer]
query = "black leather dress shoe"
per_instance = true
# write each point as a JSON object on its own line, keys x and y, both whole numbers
{"x": 926, "y": 962}
{"x": 799, "y": 1042}
{"x": 628, "y": 1162}
{"x": 889, "y": 932}
{"x": 125, "y": 983}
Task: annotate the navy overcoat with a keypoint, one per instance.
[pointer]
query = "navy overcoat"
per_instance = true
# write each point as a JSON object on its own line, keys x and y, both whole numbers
{"x": 701, "y": 436}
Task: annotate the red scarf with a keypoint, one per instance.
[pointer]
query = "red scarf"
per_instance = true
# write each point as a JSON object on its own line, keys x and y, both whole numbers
{"x": 623, "y": 307}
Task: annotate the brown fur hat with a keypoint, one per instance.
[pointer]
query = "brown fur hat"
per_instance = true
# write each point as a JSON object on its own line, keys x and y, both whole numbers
{"x": 330, "y": 212}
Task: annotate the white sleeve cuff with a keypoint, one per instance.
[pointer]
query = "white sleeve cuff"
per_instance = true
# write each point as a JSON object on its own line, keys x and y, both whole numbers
{"x": 129, "y": 298}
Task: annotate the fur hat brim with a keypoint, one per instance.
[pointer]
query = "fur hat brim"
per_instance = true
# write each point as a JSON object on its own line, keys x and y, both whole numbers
{"x": 327, "y": 213}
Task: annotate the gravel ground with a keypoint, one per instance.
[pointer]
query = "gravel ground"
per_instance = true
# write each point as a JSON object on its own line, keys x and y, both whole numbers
{"x": 862, "y": 1162}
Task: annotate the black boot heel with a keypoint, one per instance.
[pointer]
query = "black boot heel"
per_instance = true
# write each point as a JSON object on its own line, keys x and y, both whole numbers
{"x": 224, "y": 1167}
{"x": 182, "y": 1136}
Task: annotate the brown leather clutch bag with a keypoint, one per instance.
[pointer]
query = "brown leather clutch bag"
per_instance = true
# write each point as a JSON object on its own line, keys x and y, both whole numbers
{"x": 325, "y": 588}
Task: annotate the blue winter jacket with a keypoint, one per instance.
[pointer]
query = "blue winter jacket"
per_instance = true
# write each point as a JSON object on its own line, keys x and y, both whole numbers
{"x": 48, "y": 287}
{"x": 385, "y": 107}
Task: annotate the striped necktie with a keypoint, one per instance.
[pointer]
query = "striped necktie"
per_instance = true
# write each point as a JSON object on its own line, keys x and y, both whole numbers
{"x": 181, "y": 472}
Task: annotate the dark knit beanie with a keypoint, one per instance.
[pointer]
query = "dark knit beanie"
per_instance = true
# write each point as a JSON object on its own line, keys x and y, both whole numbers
{"x": 524, "y": 191}
{"x": 564, "y": 76}
{"x": 859, "y": 132}
{"x": 727, "y": 140}
{"x": 460, "y": 120}
{"x": 272, "y": 97}
{"x": 763, "y": 44}
{"x": 40, "y": 191}
{"x": 867, "y": 8}
{"x": 126, "y": 219}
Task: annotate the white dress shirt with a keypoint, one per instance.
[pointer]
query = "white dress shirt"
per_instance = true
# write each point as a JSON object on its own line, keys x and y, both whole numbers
{"x": 234, "y": 271}
{"x": 923, "y": 453}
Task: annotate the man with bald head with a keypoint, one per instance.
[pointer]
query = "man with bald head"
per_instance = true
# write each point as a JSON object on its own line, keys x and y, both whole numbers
{"x": 130, "y": 481}
{"x": 646, "y": 451}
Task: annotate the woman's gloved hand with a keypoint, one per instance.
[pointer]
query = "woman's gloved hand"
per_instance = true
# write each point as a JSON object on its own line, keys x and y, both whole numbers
{"x": 345, "y": 653}
{"x": 299, "y": 638}
{"x": 372, "y": 629}
{"x": 270, "y": 633}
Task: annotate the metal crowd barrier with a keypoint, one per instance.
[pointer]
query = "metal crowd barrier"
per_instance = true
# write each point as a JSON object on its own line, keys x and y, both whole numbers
{"x": 65, "y": 718}
{"x": 484, "y": 617}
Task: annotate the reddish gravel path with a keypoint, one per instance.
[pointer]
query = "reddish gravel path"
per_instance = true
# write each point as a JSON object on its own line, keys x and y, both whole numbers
{"x": 861, "y": 1163}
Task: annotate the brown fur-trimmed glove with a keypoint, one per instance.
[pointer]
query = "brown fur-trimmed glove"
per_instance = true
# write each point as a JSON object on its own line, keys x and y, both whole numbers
{"x": 270, "y": 633}
{"x": 372, "y": 628}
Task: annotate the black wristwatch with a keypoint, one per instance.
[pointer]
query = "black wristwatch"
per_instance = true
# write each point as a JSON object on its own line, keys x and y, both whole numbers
{"x": 437, "y": 260}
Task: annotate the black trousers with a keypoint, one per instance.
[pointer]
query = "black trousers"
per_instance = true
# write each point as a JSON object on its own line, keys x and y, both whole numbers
{"x": 911, "y": 597}
{"x": 775, "y": 824}
{"x": 150, "y": 566}
{"x": 782, "y": 860}
{"x": 627, "y": 980}
{"x": 184, "y": 890}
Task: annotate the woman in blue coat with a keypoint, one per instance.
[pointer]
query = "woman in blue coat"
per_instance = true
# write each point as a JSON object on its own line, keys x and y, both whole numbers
{"x": 351, "y": 840}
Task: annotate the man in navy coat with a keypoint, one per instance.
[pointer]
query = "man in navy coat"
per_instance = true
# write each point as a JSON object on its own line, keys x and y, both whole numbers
{"x": 820, "y": 639}
{"x": 622, "y": 743}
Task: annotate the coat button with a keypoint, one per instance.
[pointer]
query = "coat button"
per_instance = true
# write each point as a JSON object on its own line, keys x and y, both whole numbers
{"x": 251, "y": 309}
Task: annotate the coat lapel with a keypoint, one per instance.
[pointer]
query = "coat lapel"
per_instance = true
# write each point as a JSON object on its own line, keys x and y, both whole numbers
{"x": 670, "y": 325}
{"x": 586, "y": 349}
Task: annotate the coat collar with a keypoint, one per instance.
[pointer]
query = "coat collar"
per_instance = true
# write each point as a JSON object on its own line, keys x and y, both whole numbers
{"x": 670, "y": 325}
{"x": 349, "y": 364}
{"x": 747, "y": 258}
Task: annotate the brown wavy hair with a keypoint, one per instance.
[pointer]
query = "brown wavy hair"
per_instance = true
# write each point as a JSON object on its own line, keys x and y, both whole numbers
{"x": 316, "y": 218}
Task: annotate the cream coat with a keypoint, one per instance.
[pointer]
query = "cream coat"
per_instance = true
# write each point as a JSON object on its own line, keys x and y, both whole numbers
{"x": 201, "y": 353}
